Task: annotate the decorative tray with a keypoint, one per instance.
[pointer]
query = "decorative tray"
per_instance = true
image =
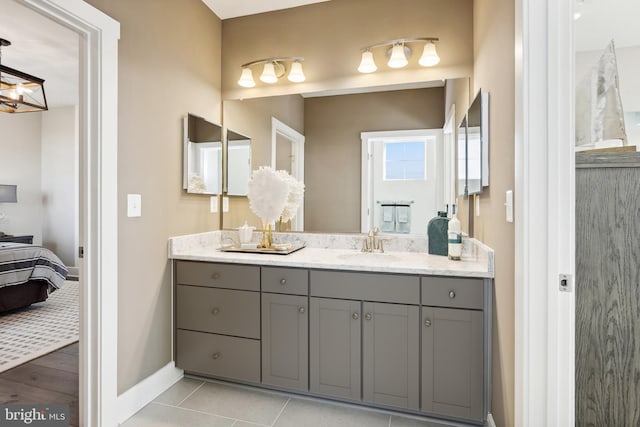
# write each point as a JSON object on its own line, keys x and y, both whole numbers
{"x": 275, "y": 250}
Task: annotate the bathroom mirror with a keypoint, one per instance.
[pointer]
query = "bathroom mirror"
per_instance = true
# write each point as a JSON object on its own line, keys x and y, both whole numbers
{"x": 478, "y": 143}
{"x": 238, "y": 163}
{"x": 332, "y": 163}
{"x": 202, "y": 157}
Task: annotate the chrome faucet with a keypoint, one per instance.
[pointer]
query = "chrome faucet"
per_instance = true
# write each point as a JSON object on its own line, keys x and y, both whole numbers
{"x": 372, "y": 243}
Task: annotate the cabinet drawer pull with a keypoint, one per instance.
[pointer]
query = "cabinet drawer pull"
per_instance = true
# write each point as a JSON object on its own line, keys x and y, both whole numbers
{"x": 302, "y": 310}
{"x": 427, "y": 323}
{"x": 215, "y": 276}
{"x": 368, "y": 316}
{"x": 216, "y": 355}
{"x": 215, "y": 311}
{"x": 355, "y": 316}
{"x": 283, "y": 282}
{"x": 452, "y": 294}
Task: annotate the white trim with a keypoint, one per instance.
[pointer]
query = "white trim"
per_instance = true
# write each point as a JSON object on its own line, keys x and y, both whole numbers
{"x": 98, "y": 125}
{"x": 449, "y": 157}
{"x": 144, "y": 392}
{"x": 297, "y": 168}
{"x": 490, "y": 421}
{"x": 544, "y": 230}
{"x": 367, "y": 140}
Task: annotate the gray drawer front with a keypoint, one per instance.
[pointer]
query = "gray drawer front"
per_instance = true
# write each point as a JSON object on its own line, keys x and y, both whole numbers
{"x": 219, "y": 311}
{"x": 392, "y": 288}
{"x": 218, "y": 355}
{"x": 217, "y": 275}
{"x": 453, "y": 292}
{"x": 291, "y": 281}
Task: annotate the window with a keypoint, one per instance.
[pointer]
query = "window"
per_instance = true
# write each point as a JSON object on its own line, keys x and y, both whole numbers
{"x": 404, "y": 161}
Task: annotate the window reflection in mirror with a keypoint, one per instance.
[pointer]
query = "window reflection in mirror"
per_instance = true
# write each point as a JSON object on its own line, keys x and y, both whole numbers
{"x": 238, "y": 163}
{"x": 202, "y": 169}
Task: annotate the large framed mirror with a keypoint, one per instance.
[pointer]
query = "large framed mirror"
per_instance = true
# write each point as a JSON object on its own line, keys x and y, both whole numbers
{"x": 238, "y": 163}
{"x": 332, "y": 126}
{"x": 202, "y": 157}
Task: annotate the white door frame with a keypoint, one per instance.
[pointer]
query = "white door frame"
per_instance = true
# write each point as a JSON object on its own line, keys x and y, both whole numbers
{"x": 545, "y": 214}
{"x": 297, "y": 164}
{"x": 98, "y": 113}
{"x": 449, "y": 156}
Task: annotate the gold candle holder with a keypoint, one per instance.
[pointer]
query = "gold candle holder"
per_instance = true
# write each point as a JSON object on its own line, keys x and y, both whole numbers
{"x": 267, "y": 237}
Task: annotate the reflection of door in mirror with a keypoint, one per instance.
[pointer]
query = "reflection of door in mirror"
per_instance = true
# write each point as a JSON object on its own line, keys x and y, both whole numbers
{"x": 400, "y": 176}
{"x": 287, "y": 153}
{"x": 449, "y": 158}
{"x": 202, "y": 167}
{"x": 462, "y": 158}
{"x": 238, "y": 164}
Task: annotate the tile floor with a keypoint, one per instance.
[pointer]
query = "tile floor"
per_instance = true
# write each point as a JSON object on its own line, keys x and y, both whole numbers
{"x": 194, "y": 403}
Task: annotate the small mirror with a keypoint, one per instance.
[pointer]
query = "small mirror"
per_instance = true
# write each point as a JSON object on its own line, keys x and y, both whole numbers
{"x": 462, "y": 157}
{"x": 238, "y": 163}
{"x": 478, "y": 143}
{"x": 202, "y": 169}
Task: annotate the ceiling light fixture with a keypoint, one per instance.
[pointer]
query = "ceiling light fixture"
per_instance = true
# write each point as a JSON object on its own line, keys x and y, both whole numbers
{"x": 273, "y": 69}
{"x": 399, "y": 53}
{"x": 20, "y": 92}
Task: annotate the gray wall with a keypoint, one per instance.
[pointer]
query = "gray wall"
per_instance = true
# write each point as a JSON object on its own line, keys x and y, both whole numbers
{"x": 169, "y": 65}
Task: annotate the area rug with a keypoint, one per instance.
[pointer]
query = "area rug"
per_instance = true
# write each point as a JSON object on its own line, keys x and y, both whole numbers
{"x": 40, "y": 328}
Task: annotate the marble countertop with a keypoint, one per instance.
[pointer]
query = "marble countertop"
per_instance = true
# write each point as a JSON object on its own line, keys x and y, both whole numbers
{"x": 340, "y": 252}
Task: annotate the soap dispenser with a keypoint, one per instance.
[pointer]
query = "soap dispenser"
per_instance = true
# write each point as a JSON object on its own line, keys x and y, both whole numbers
{"x": 437, "y": 234}
{"x": 455, "y": 236}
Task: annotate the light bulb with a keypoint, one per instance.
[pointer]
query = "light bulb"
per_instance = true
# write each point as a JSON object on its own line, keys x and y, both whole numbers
{"x": 296, "y": 74}
{"x": 269, "y": 73}
{"x": 429, "y": 56}
{"x": 398, "y": 58}
{"x": 246, "y": 78}
{"x": 367, "y": 65}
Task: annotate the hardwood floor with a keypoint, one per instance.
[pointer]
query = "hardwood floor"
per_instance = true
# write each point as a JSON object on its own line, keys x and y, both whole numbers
{"x": 52, "y": 378}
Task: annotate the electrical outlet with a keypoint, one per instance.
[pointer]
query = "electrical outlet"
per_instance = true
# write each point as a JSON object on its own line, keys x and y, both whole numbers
{"x": 213, "y": 204}
{"x": 225, "y": 204}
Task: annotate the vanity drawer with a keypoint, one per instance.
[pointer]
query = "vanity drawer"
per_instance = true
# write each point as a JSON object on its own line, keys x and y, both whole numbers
{"x": 216, "y": 275}
{"x": 220, "y": 311}
{"x": 291, "y": 281}
{"x": 453, "y": 292}
{"x": 393, "y": 288}
{"x": 218, "y": 356}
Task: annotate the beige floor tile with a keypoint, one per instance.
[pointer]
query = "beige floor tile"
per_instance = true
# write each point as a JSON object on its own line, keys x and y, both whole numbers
{"x": 179, "y": 391}
{"x": 158, "y": 415}
{"x": 236, "y": 402}
{"x": 310, "y": 413}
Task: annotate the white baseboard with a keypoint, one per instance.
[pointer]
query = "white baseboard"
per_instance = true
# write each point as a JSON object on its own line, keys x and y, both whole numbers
{"x": 141, "y": 394}
{"x": 490, "y": 422}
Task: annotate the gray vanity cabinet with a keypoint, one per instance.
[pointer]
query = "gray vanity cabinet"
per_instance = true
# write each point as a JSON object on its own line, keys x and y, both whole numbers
{"x": 285, "y": 327}
{"x": 357, "y": 339}
{"x": 391, "y": 355}
{"x": 334, "y": 347}
{"x": 453, "y": 348}
{"x": 218, "y": 320}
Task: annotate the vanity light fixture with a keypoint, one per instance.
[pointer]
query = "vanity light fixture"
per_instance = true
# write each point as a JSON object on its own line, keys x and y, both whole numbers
{"x": 273, "y": 69}
{"x": 20, "y": 92}
{"x": 399, "y": 53}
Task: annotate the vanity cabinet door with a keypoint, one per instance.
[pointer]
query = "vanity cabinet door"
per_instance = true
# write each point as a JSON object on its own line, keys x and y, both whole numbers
{"x": 334, "y": 347}
{"x": 285, "y": 338}
{"x": 390, "y": 355}
{"x": 452, "y": 362}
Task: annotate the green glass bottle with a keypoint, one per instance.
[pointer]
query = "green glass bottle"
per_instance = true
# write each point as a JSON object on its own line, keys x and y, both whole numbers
{"x": 437, "y": 234}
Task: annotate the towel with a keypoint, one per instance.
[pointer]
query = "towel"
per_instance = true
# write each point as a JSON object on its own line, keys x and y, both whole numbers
{"x": 403, "y": 213}
{"x": 387, "y": 213}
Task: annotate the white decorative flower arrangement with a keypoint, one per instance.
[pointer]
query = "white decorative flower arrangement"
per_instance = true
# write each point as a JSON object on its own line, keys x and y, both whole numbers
{"x": 273, "y": 196}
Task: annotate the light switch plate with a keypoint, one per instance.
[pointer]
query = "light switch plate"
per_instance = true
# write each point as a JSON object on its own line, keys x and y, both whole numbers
{"x": 213, "y": 204}
{"x": 225, "y": 204}
{"x": 476, "y": 199}
{"x": 509, "y": 205}
{"x": 134, "y": 205}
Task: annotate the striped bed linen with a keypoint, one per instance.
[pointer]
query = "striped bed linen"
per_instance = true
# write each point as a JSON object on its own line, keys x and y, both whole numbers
{"x": 20, "y": 263}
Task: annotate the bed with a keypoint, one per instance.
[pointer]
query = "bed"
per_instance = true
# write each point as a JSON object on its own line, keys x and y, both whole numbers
{"x": 28, "y": 274}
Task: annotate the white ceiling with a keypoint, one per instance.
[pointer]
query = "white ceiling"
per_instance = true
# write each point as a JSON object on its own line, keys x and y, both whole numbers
{"x": 42, "y": 48}
{"x": 603, "y": 20}
{"x": 226, "y": 9}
